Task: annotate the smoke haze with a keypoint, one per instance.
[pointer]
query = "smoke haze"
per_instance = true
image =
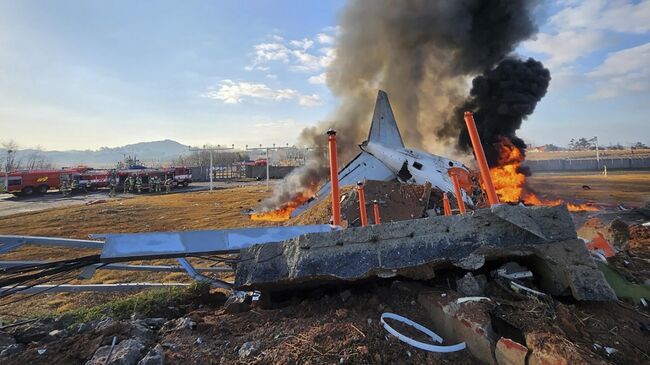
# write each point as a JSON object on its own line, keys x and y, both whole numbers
{"x": 423, "y": 53}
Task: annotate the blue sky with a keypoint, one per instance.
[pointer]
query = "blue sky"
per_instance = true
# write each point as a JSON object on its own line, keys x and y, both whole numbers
{"x": 80, "y": 74}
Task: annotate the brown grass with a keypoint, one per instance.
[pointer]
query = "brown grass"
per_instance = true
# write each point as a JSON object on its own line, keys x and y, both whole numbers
{"x": 189, "y": 211}
{"x": 631, "y": 188}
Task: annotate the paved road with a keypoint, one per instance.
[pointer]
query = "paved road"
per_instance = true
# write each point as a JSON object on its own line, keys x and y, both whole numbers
{"x": 10, "y": 204}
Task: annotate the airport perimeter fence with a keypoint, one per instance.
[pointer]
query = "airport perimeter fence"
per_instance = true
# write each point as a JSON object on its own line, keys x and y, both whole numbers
{"x": 591, "y": 164}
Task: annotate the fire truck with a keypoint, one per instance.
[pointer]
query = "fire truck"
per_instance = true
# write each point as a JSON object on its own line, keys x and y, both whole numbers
{"x": 28, "y": 182}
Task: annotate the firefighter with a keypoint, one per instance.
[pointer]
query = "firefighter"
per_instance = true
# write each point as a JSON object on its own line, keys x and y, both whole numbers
{"x": 128, "y": 184}
{"x": 73, "y": 185}
{"x": 156, "y": 184}
{"x": 138, "y": 183}
{"x": 168, "y": 184}
{"x": 112, "y": 183}
{"x": 64, "y": 188}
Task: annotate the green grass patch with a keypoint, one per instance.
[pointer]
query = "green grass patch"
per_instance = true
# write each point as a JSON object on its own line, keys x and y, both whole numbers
{"x": 166, "y": 303}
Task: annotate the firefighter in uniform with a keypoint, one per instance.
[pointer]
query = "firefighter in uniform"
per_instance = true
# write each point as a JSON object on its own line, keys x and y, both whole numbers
{"x": 128, "y": 184}
{"x": 64, "y": 188}
{"x": 138, "y": 183}
{"x": 156, "y": 184}
{"x": 168, "y": 184}
{"x": 112, "y": 183}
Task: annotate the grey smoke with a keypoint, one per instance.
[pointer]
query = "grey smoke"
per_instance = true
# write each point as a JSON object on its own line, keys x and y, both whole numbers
{"x": 423, "y": 53}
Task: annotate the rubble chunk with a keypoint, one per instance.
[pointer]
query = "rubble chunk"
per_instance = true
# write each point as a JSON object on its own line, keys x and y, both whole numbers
{"x": 509, "y": 352}
{"x": 248, "y": 349}
{"x": 127, "y": 352}
{"x": 468, "y": 285}
{"x": 237, "y": 302}
{"x": 155, "y": 356}
{"x": 416, "y": 248}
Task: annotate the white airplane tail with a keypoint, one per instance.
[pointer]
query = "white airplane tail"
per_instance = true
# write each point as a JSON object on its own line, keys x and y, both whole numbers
{"x": 383, "y": 129}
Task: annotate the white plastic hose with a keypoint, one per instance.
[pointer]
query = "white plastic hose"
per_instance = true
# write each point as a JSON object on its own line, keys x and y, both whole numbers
{"x": 419, "y": 327}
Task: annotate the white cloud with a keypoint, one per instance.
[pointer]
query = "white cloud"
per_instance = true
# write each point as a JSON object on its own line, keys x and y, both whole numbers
{"x": 265, "y": 52}
{"x": 583, "y": 27}
{"x": 271, "y": 76}
{"x": 566, "y": 46}
{"x": 624, "y": 16}
{"x": 304, "y": 43}
{"x": 318, "y": 79}
{"x": 299, "y": 54}
{"x": 309, "y": 100}
{"x": 235, "y": 92}
{"x": 323, "y": 38}
{"x": 622, "y": 72}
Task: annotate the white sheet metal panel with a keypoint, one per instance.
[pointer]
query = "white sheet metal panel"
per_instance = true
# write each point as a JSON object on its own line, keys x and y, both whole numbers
{"x": 134, "y": 246}
{"x": 363, "y": 167}
{"x": 10, "y": 242}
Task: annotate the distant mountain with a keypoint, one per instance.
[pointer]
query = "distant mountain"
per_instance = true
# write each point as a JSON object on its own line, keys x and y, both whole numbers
{"x": 149, "y": 153}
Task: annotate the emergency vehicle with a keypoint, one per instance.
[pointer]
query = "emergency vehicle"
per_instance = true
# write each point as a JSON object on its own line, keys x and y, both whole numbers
{"x": 28, "y": 182}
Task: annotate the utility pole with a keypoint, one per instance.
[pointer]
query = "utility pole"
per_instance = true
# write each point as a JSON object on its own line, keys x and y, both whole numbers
{"x": 9, "y": 152}
{"x": 268, "y": 157}
{"x": 211, "y": 150}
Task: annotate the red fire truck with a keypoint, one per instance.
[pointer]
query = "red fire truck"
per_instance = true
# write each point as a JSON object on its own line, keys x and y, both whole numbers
{"x": 28, "y": 182}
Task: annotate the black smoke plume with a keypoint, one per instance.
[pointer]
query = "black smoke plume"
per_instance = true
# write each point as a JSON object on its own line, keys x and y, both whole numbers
{"x": 501, "y": 99}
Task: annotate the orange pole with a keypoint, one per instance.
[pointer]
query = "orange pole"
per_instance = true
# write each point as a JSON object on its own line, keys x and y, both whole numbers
{"x": 480, "y": 158}
{"x": 375, "y": 208}
{"x": 362, "y": 205}
{"x": 334, "y": 178}
{"x": 459, "y": 195}
{"x": 445, "y": 204}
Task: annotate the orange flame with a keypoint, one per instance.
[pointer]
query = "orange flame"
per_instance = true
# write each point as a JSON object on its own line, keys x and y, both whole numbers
{"x": 284, "y": 212}
{"x": 510, "y": 183}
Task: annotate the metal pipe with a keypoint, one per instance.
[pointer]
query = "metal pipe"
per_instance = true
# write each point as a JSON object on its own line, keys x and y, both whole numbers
{"x": 459, "y": 194}
{"x": 123, "y": 267}
{"x": 191, "y": 271}
{"x": 76, "y": 288}
{"x": 334, "y": 178}
{"x": 268, "y": 162}
{"x": 211, "y": 170}
{"x": 445, "y": 204}
{"x": 375, "y": 208}
{"x": 480, "y": 158}
{"x": 362, "y": 205}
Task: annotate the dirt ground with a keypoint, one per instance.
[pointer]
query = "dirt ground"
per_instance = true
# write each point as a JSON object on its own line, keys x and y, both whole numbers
{"x": 630, "y": 188}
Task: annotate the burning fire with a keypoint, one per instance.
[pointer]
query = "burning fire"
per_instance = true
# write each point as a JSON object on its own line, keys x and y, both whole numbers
{"x": 510, "y": 183}
{"x": 284, "y": 212}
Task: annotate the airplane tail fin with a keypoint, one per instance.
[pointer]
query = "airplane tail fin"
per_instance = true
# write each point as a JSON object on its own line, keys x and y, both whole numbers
{"x": 384, "y": 129}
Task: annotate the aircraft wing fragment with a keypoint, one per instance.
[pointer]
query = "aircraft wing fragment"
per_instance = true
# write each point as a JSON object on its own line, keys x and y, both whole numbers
{"x": 364, "y": 166}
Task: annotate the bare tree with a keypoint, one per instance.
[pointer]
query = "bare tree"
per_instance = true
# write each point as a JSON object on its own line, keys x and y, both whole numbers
{"x": 9, "y": 161}
{"x": 37, "y": 160}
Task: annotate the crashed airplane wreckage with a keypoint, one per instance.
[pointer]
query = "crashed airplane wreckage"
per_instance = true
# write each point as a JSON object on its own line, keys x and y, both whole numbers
{"x": 282, "y": 258}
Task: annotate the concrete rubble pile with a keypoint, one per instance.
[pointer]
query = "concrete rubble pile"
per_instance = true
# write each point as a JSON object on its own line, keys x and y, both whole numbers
{"x": 543, "y": 237}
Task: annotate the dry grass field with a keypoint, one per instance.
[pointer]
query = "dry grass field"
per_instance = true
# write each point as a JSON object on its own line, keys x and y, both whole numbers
{"x": 187, "y": 211}
{"x": 630, "y": 188}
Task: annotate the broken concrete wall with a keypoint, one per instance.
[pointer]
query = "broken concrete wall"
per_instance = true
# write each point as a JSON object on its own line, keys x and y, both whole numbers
{"x": 416, "y": 248}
